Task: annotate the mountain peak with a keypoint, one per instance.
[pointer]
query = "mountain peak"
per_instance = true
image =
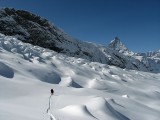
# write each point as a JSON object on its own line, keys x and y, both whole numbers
{"x": 116, "y": 44}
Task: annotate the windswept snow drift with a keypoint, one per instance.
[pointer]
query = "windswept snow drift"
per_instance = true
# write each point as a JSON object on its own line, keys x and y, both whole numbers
{"x": 83, "y": 90}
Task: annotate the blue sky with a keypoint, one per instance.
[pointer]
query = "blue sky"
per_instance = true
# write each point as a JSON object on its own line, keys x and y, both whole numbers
{"x": 135, "y": 22}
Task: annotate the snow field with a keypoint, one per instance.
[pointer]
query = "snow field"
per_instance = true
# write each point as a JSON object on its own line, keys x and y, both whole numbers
{"x": 83, "y": 90}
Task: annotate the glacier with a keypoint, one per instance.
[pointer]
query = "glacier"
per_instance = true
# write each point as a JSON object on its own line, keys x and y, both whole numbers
{"x": 84, "y": 90}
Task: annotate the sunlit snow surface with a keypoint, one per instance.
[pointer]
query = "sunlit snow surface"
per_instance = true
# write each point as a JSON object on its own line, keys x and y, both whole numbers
{"x": 83, "y": 90}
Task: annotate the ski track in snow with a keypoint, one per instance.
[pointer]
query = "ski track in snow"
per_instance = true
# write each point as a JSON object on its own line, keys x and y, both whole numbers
{"x": 83, "y": 90}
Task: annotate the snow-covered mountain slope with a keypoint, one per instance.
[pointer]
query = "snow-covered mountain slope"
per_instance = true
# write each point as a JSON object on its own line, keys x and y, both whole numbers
{"x": 36, "y": 30}
{"x": 149, "y": 61}
{"x": 84, "y": 90}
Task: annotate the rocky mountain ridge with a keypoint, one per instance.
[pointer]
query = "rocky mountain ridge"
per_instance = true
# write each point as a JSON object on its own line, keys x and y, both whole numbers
{"x": 36, "y": 30}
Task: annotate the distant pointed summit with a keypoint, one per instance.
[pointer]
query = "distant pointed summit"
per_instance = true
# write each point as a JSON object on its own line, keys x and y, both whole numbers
{"x": 116, "y": 44}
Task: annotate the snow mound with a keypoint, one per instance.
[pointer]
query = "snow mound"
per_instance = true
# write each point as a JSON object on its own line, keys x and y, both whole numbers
{"x": 125, "y": 96}
{"x": 80, "y": 112}
{"x": 96, "y": 84}
{"x": 104, "y": 110}
{"x": 69, "y": 82}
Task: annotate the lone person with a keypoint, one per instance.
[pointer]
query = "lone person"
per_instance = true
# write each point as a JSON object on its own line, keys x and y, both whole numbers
{"x": 52, "y": 91}
{"x": 49, "y": 111}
